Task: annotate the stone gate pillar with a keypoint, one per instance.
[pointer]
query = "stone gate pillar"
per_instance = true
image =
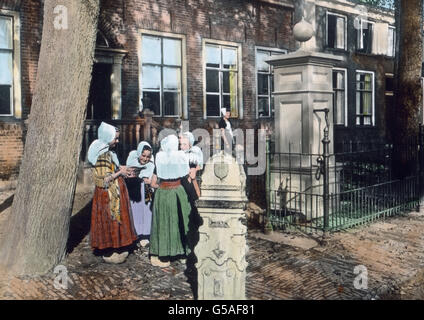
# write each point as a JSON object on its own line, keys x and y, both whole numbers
{"x": 221, "y": 251}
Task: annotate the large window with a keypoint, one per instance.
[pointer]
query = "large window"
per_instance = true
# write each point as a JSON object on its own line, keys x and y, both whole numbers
{"x": 336, "y": 31}
{"x": 161, "y": 74}
{"x": 222, "y": 78}
{"x": 364, "y": 98}
{"x": 340, "y": 97}
{"x": 365, "y": 36}
{"x": 265, "y": 82}
{"x": 6, "y": 65}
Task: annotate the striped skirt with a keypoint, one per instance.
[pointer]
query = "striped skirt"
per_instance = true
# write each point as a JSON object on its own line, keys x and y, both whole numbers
{"x": 106, "y": 232}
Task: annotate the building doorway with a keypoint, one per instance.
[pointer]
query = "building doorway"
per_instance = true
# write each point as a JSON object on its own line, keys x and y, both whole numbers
{"x": 99, "y": 100}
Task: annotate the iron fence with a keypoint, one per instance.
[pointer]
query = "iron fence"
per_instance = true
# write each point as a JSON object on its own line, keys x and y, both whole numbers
{"x": 329, "y": 192}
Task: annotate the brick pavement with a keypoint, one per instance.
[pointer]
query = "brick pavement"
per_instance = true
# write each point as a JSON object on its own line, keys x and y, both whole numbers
{"x": 391, "y": 250}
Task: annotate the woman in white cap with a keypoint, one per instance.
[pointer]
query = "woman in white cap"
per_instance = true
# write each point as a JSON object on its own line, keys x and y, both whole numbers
{"x": 111, "y": 222}
{"x": 171, "y": 207}
{"x": 226, "y": 130}
{"x": 191, "y": 187}
{"x": 195, "y": 156}
{"x": 140, "y": 189}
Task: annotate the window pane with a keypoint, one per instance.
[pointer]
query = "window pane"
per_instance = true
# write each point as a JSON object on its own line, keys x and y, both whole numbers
{"x": 151, "y": 100}
{"x": 261, "y": 65}
{"x": 151, "y": 77}
{"x": 212, "y": 105}
{"x": 171, "y": 103}
{"x": 262, "y": 84}
{"x": 230, "y": 102}
{"x": 171, "y": 78}
{"x": 331, "y": 31}
{"x": 367, "y": 120}
{"x": 338, "y": 80}
{"x": 6, "y": 68}
{"x": 367, "y": 102}
{"x": 212, "y": 81}
{"x": 367, "y": 82}
{"x": 6, "y": 33}
{"x": 391, "y": 43}
{"x": 151, "y": 47}
{"x": 172, "y": 52}
{"x": 263, "y": 107}
{"x": 340, "y": 33}
{"x": 358, "y": 102}
{"x": 5, "y": 104}
{"x": 367, "y": 40}
{"x": 229, "y": 58}
{"x": 339, "y": 107}
{"x": 213, "y": 56}
{"x": 229, "y": 82}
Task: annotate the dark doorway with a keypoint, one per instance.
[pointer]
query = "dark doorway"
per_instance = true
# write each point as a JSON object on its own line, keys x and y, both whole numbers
{"x": 99, "y": 100}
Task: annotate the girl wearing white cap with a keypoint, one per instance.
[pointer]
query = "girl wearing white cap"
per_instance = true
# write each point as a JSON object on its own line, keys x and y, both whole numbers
{"x": 171, "y": 207}
{"x": 140, "y": 189}
{"x": 195, "y": 156}
{"x": 111, "y": 222}
{"x": 226, "y": 130}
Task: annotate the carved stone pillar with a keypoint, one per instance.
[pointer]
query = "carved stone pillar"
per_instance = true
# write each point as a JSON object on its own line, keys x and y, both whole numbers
{"x": 221, "y": 251}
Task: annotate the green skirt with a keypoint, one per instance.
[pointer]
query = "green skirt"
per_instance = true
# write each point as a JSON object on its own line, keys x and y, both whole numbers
{"x": 171, "y": 211}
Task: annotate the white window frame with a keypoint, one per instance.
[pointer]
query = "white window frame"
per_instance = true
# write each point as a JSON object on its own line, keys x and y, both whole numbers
{"x": 391, "y": 54}
{"x": 372, "y": 97}
{"x": 16, "y": 98}
{"x": 238, "y": 46}
{"x": 183, "y": 110}
{"x": 345, "y": 96}
{"x": 270, "y": 77}
{"x": 345, "y": 29}
{"x": 360, "y": 38}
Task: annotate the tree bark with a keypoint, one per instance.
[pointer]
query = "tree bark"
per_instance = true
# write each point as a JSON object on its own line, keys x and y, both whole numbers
{"x": 408, "y": 93}
{"x": 38, "y": 229}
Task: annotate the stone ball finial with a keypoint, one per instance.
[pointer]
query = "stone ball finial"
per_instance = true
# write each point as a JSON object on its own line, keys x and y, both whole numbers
{"x": 303, "y": 31}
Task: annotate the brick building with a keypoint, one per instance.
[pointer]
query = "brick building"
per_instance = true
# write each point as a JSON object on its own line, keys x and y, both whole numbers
{"x": 201, "y": 56}
{"x": 363, "y": 81}
{"x": 184, "y": 59}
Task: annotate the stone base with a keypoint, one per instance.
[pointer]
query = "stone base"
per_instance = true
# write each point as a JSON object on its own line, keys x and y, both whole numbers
{"x": 221, "y": 255}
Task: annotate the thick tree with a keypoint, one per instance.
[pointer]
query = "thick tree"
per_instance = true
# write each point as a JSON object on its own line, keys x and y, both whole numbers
{"x": 408, "y": 91}
{"x": 37, "y": 231}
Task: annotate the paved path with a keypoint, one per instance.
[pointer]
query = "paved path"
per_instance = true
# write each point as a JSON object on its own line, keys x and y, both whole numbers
{"x": 281, "y": 266}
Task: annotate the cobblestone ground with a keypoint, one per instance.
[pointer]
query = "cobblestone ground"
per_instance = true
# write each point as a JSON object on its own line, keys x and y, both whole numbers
{"x": 281, "y": 266}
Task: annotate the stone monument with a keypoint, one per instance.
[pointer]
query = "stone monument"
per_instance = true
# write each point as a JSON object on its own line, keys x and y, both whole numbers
{"x": 221, "y": 250}
{"x": 302, "y": 86}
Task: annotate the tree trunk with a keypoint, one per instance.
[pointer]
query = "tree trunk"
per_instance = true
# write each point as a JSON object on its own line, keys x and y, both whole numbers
{"x": 38, "y": 228}
{"x": 408, "y": 92}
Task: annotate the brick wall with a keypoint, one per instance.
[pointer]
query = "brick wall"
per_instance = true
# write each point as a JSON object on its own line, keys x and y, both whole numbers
{"x": 12, "y": 130}
{"x": 250, "y": 23}
{"x": 11, "y": 149}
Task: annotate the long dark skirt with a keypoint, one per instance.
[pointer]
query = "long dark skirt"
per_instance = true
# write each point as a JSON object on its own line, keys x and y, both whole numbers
{"x": 171, "y": 209}
{"x": 106, "y": 232}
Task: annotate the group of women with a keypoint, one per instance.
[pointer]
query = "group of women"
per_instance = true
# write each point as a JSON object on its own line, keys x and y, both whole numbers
{"x": 149, "y": 201}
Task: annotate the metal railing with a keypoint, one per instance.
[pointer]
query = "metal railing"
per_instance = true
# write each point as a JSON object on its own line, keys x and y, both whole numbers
{"x": 329, "y": 192}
